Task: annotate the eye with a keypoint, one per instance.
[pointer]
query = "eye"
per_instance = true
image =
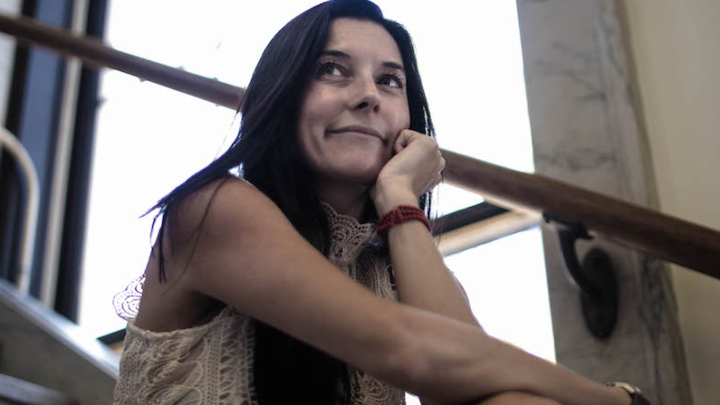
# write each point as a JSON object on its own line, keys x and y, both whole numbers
{"x": 329, "y": 69}
{"x": 391, "y": 80}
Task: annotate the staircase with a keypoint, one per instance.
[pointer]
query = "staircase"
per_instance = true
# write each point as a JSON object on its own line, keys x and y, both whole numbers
{"x": 46, "y": 359}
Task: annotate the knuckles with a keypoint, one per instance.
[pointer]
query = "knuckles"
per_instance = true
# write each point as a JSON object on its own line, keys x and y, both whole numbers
{"x": 422, "y": 165}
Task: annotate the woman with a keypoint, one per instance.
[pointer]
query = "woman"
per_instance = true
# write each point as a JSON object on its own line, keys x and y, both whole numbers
{"x": 273, "y": 289}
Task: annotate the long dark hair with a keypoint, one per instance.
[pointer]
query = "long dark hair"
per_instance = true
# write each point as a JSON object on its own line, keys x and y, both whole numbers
{"x": 267, "y": 153}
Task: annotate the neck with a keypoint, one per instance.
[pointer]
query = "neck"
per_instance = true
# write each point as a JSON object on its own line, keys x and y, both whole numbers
{"x": 346, "y": 199}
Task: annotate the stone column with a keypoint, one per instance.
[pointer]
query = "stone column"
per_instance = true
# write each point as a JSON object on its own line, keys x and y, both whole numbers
{"x": 586, "y": 131}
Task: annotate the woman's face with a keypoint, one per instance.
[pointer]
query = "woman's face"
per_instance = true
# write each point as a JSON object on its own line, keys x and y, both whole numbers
{"x": 355, "y": 105}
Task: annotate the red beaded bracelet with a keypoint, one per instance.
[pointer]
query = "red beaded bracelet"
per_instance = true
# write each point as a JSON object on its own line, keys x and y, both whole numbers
{"x": 399, "y": 215}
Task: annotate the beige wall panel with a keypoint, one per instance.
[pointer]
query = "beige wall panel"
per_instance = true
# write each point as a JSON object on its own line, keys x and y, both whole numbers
{"x": 676, "y": 50}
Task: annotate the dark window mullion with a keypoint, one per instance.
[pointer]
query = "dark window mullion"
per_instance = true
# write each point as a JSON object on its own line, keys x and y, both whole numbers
{"x": 76, "y": 207}
{"x": 466, "y": 216}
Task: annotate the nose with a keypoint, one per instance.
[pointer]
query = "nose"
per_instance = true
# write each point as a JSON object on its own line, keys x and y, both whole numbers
{"x": 367, "y": 96}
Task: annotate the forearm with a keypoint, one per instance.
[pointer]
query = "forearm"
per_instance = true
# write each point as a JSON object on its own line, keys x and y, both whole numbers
{"x": 547, "y": 380}
{"x": 459, "y": 364}
{"x": 423, "y": 280}
{"x": 508, "y": 398}
{"x": 517, "y": 398}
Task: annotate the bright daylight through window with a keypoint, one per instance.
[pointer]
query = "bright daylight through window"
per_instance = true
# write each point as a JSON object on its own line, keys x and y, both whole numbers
{"x": 149, "y": 138}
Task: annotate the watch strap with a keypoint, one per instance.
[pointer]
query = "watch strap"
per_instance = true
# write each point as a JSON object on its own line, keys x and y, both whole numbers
{"x": 635, "y": 394}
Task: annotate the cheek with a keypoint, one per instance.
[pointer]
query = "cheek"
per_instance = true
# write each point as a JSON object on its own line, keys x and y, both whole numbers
{"x": 311, "y": 117}
{"x": 319, "y": 108}
{"x": 400, "y": 119}
{"x": 317, "y": 113}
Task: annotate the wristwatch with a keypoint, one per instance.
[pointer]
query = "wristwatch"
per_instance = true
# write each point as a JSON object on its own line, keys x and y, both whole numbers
{"x": 637, "y": 397}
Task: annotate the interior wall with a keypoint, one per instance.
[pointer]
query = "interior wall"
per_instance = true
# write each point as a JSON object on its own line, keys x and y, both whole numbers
{"x": 586, "y": 131}
{"x": 676, "y": 52}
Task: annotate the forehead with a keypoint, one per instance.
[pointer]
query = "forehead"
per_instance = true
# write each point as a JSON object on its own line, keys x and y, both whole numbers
{"x": 361, "y": 38}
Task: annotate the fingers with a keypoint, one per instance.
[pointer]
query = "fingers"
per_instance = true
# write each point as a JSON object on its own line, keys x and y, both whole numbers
{"x": 440, "y": 167}
{"x": 440, "y": 162}
{"x": 417, "y": 163}
{"x": 438, "y": 177}
{"x": 404, "y": 138}
{"x": 430, "y": 151}
{"x": 437, "y": 180}
{"x": 408, "y": 136}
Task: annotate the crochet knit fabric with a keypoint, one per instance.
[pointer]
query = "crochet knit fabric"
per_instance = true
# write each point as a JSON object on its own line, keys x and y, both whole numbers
{"x": 212, "y": 364}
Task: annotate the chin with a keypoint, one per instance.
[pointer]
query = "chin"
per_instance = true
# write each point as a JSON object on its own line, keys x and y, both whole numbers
{"x": 365, "y": 176}
{"x": 359, "y": 172}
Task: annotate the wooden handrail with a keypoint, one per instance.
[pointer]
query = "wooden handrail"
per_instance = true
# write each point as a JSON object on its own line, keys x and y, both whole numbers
{"x": 657, "y": 234}
{"x": 95, "y": 53}
{"x": 631, "y": 225}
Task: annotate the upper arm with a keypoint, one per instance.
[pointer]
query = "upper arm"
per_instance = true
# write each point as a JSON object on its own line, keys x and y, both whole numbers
{"x": 249, "y": 256}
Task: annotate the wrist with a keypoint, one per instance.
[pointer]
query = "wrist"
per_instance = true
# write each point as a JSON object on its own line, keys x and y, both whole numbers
{"x": 620, "y": 396}
{"x": 398, "y": 215}
{"x": 386, "y": 197}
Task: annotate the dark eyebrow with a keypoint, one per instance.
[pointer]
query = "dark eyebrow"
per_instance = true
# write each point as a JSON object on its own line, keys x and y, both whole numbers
{"x": 393, "y": 65}
{"x": 343, "y": 55}
{"x": 335, "y": 53}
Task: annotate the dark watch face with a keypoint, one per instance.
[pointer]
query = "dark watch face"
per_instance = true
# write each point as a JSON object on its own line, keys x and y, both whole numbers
{"x": 639, "y": 399}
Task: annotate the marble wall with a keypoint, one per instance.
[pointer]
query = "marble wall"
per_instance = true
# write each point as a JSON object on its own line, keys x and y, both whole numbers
{"x": 586, "y": 131}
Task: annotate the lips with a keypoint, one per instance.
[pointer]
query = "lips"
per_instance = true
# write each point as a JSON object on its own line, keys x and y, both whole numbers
{"x": 358, "y": 129}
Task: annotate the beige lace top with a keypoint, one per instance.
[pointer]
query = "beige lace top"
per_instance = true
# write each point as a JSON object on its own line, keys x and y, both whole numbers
{"x": 212, "y": 364}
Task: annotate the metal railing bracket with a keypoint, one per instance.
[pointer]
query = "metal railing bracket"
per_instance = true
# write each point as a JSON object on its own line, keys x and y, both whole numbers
{"x": 595, "y": 278}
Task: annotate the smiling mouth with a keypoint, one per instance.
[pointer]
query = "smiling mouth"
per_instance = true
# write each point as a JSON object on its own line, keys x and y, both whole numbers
{"x": 358, "y": 129}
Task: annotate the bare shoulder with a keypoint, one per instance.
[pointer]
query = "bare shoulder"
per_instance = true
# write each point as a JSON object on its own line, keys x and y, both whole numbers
{"x": 210, "y": 212}
{"x": 228, "y": 237}
{"x": 225, "y": 205}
